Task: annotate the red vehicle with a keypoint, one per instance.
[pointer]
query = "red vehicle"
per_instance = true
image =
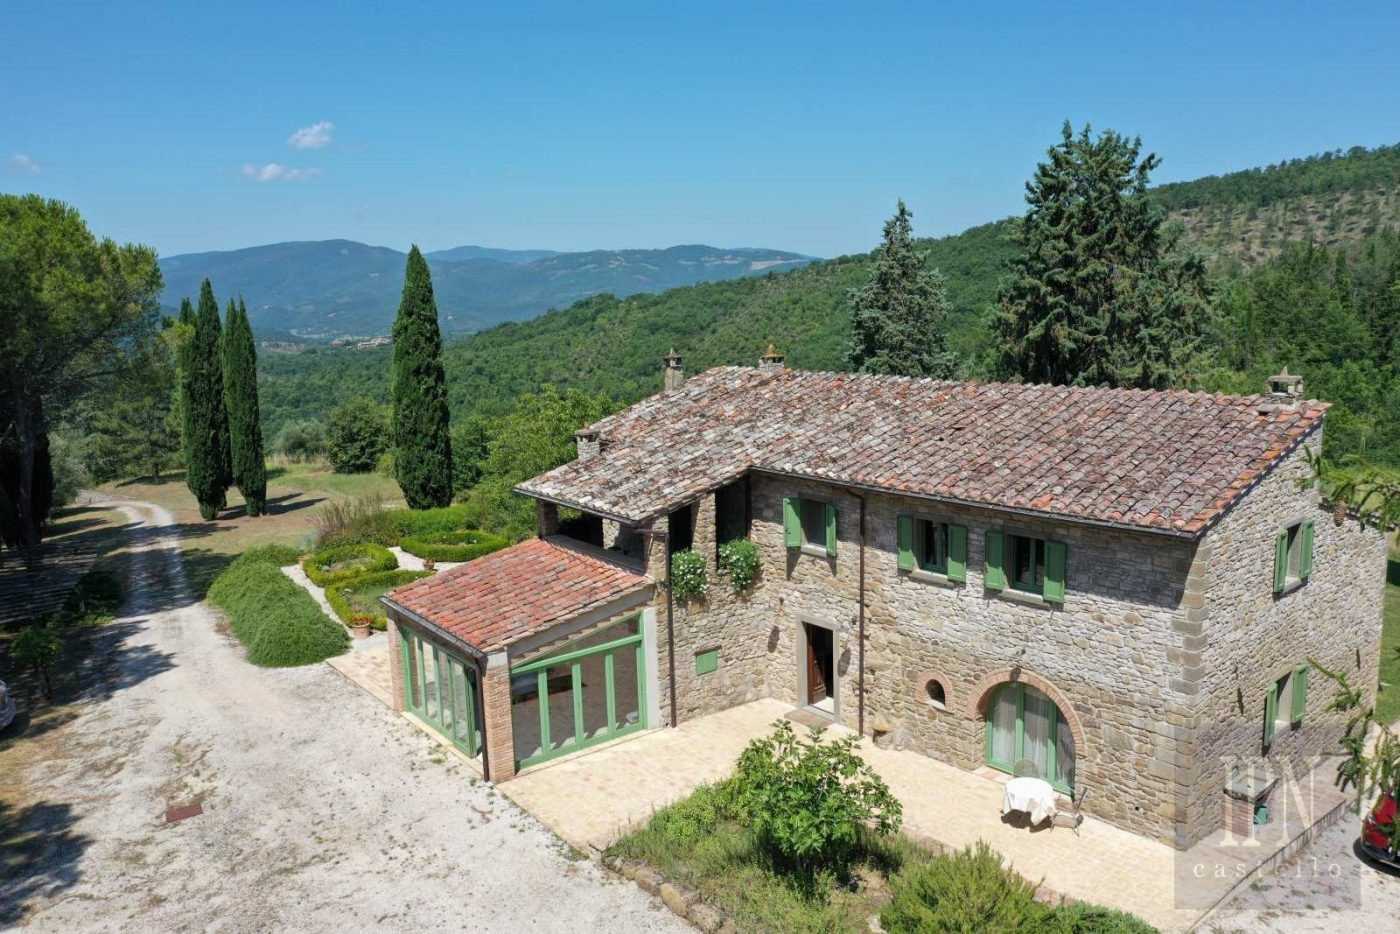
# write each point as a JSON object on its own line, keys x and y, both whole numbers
{"x": 1375, "y": 832}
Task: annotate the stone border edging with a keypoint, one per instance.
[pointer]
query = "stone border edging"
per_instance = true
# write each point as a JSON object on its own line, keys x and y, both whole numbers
{"x": 683, "y": 901}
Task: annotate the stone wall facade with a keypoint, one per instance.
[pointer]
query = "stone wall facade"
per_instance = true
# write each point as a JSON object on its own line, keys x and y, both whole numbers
{"x": 1244, "y": 637}
{"x": 1143, "y": 657}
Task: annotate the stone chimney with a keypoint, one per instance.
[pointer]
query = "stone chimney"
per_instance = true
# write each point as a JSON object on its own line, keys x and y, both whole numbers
{"x": 589, "y": 444}
{"x": 1285, "y": 390}
{"x": 672, "y": 375}
{"x": 772, "y": 360}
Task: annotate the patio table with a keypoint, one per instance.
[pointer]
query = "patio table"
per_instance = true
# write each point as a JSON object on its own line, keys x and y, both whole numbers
{"x": 1034, "y": 796}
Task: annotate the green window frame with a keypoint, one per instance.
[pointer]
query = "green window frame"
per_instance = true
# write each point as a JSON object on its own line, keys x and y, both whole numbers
{"x": 810, "y": 523}
{"x": 614, "y": 729}
{"x": 446, "y": 701}
{"x": 932, "y": 546}
{"x": 1026, "y": 564}
{"x": 707, "y": 662}
{"x": 1293, "y": 555}
{"x": 1285, "y": 702}
{"x": 1061, "y": 783}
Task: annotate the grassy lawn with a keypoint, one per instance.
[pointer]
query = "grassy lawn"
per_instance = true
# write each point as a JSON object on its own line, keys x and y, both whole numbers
{"x": 725, "y": 864}
{"x": 295, "y": 493}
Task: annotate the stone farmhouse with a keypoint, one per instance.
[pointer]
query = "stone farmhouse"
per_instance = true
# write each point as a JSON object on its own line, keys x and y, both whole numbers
{"x": 1116, "y": 590}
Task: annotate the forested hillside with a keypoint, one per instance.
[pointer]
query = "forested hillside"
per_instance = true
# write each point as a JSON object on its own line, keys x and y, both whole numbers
{"x": 1274, "y": 305}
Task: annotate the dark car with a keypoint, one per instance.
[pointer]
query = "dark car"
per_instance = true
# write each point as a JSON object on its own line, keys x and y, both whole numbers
{"x": 1375, "y": 832}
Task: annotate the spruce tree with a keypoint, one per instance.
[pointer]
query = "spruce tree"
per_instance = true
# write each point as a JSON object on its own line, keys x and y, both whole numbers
{"x": 898, "y": 318}
{"x": 244, "y": 420}
{"x": 421, "y": 433}
{"x": 206, "y": 418}
{"x": 1101, "y": 293}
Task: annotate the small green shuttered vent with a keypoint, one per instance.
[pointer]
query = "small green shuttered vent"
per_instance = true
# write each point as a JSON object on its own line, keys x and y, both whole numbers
{"x": 706, "y": 661}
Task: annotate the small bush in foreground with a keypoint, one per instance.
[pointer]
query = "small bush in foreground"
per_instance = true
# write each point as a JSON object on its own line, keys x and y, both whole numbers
{"x": 38, "y": 648}
{"x": 97, "y": 593}
{"x": 339, "y": 563}
{"x": 359, "y": 596}
{"x": 971, "y": 891}
{"x": 278, "y": 622}
{"x": 812, "y": 803}
{"x": 461, "y": 545}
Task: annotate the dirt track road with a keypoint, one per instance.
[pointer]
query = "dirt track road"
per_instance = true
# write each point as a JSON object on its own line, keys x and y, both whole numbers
{"x": 322, "y": 811}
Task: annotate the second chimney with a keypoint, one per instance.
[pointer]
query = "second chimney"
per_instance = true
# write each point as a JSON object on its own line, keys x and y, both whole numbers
{"x": 772, "y": 360}
{"x": 672, "y": 375}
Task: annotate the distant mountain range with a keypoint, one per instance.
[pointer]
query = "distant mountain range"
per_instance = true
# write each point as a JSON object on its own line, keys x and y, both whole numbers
{"x": 334, "y": 288}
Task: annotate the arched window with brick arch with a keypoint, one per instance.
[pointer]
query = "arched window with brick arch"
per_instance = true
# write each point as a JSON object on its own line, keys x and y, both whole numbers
{"x": 1027, "y": 734}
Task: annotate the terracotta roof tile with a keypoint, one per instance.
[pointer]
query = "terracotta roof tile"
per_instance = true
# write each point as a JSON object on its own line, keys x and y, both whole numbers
{"x": 1169, "y": 461}
{"x": 513, "y": 593}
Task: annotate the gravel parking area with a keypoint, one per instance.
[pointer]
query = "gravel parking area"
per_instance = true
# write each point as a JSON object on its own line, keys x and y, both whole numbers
{"x": 1328, "y": 888}
{"x": 320, "y": 809}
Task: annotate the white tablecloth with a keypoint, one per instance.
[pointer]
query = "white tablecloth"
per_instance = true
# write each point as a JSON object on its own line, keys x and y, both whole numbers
{"x": 1032, "y": 795}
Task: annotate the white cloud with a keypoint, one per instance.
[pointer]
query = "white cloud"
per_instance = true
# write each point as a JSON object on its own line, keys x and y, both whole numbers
{"x": 276, "y": 172}
{"x": 316, "y": 136}
{"x": 23, "y": 164}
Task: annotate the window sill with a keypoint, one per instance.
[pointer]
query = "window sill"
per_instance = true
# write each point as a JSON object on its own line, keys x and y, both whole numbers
{"x": 1021, "y": 596}
{"x": 933, "y": 577}
{"x": 816, "y": 551}
{"x": 1294, "y": 584}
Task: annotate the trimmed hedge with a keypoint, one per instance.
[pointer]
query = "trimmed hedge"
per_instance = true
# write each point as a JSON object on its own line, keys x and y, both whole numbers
{"x": 279, "y": 623}
{"x": 458, "y": 545}
{"x": 354, "y": 561}
{"x": 383, "y": 580}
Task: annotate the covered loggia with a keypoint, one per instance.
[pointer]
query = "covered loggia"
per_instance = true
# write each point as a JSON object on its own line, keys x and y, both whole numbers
{"x": 529, "y": 653}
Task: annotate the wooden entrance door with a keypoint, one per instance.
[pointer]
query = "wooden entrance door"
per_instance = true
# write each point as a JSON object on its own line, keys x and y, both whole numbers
{"x": 819, "y": 663}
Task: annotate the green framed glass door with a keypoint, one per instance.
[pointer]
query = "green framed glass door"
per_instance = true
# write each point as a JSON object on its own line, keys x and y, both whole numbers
{"x": 440, "y": 689}
{"x": 1025, "y": 728}
{"x": 575, "y": 699}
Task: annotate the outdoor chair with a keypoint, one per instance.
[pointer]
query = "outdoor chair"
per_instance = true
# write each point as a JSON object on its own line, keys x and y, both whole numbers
{"x": 1075, "y": 815}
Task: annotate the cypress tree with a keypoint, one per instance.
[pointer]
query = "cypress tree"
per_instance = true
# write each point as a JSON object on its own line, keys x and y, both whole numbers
{"x": 1101, "y": 294}
{"x": 898, "y": 318}
{"x": 421, "y": 434}
{"x": 183, "y": 349}
{"x": 205, "y": 417}
{"x": 244, "y": 419}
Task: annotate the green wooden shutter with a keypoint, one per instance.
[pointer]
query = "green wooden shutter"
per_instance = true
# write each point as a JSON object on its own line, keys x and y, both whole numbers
{"x": 1306, "y": 558}
{"x": 792, "y": 525}
{"x": 1055, "y": 555}
{"x": 1280, "y": 561}
{"x": 1270, "y": 714}
{"x": 994, "y": 573}
{"x": 957, "y": 553}
{"x": 905, "y": 534}
{"x": 1300, "y": 692}
{"x": 831, "y": 530}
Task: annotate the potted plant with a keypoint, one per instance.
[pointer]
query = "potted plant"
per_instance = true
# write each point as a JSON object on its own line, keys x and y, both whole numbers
{"x": 361, "y": 625}
{"x": 430, "y": 565}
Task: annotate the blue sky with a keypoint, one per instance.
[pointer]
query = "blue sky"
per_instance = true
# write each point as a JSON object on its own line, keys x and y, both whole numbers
{"x": 576, "y": 126}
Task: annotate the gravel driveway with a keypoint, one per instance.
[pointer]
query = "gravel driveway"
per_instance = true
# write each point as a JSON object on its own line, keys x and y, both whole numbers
{"x": 1327, "y": 889}
{"x": 322, "y": 810}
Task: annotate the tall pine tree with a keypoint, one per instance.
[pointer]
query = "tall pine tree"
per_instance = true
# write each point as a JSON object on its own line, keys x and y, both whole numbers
{"x": 1101, "y": 293}
{"x": 898, "y": 318}
{"x": 205, "y": 416}
{"x": 421, "y": 433}
{"x": 244, "y": 420}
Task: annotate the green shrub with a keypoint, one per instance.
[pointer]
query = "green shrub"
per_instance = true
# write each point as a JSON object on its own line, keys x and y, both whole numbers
{"x": 1079, "y": 918}
{"x": 359, "y": 595}
{"x": 301, "y": 440}
{"x": 38, "y": 648}
{"x": 339, "y": 563}
{"x": 362, "y": 519}
{"x": 967, "y": 892}
{"x": 688, "y": 579}
{"x": 359, "y": 433}
{"x": 461, "y": 545}
{"x": 278, "y": 622}
{"x": 810, "y": 803}
{"x": 97, "y": 593}
{"x": 738, "y": 560}
{"x": 275, "y": 555}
